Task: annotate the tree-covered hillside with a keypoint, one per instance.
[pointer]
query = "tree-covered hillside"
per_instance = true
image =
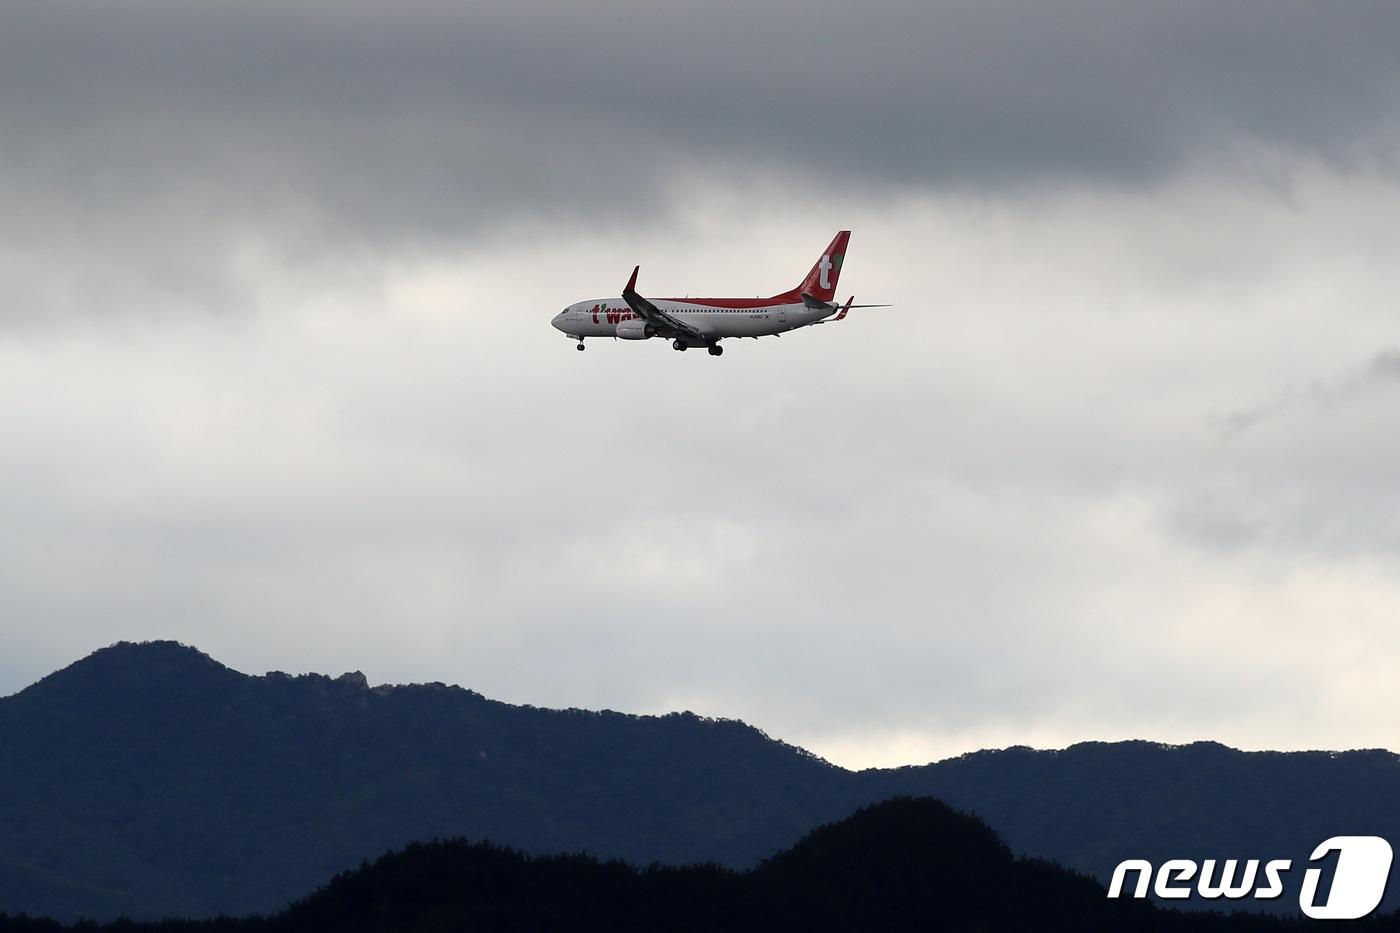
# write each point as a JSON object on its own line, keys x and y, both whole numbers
{"x": 149, "y": 780}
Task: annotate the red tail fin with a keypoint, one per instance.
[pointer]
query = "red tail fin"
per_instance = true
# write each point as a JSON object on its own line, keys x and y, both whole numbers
{"x": 821, "y": 282}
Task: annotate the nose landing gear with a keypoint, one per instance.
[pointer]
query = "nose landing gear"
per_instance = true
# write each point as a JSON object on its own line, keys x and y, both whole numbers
{"x": 580, "y": 344}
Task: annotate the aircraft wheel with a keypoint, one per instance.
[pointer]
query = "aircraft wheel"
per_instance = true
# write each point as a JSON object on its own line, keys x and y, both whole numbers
{"x": 580, "y": 344}
{"x": 716, "y": 350}
{"x": 678, "y": 344}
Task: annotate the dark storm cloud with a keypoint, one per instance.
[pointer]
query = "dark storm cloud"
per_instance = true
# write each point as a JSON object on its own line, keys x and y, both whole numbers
{"x": 381, "y": 121}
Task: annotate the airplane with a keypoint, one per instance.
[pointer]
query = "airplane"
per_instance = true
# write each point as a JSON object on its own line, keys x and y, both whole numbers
{"x": 704, "y": 322}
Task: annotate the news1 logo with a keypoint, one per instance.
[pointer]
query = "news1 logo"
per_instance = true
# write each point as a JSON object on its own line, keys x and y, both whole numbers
{"x": 1358, "y": 880}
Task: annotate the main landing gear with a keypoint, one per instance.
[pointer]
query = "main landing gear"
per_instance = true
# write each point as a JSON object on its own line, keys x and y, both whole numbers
{"x": 679, "y": 344}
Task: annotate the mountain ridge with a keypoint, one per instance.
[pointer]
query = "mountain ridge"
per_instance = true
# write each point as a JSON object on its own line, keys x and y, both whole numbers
{"x": 150, "y": 779}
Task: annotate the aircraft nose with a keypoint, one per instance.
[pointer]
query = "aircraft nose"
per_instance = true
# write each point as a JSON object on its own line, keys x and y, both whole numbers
{"x": 558, "y": 321}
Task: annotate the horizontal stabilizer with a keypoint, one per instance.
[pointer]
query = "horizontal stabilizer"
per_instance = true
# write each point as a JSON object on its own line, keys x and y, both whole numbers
{"x": 818, "y": 304}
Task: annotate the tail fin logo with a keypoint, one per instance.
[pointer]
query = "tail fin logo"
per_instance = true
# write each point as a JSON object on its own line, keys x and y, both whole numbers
{"x": 829, "y": 263}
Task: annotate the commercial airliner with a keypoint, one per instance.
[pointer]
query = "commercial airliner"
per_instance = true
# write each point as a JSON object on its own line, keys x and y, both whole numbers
{"x": 704, "y": 322}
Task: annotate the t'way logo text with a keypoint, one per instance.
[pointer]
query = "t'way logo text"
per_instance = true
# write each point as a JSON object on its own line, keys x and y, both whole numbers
{"x": 611, "y": 315}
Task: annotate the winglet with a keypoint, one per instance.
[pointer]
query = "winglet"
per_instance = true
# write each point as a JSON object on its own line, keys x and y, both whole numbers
{"x": 842, "y": 315}
{"x": 632, "y": 282}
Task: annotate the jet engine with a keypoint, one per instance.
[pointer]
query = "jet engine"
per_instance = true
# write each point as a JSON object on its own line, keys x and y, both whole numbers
{"x": 635, "y": 329}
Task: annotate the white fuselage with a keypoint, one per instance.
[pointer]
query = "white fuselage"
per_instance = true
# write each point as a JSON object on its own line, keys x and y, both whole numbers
{"x": 715, "y": 318}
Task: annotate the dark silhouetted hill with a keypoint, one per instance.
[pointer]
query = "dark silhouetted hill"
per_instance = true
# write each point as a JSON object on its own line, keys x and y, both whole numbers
{"x": 1092, "y": 805}
{"x": 905, "y": 864}
{"x": 149, "y": 780}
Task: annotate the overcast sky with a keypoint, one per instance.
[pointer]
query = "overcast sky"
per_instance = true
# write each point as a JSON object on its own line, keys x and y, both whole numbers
{"x": 277, "y": 377}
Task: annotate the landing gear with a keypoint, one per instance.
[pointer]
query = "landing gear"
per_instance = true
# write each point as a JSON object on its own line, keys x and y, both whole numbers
{"x": 716, "y": 349}
{"x": 678, "y": 344}
{"x": 580, "y": 344}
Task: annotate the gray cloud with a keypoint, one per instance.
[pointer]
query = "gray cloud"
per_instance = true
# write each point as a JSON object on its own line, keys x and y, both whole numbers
{"x": 1377, "y": 373}
{"x": 1386, "y": 365}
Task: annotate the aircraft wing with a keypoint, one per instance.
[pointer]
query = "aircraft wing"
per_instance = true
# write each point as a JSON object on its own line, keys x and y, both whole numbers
{"x": 664, "y": 323}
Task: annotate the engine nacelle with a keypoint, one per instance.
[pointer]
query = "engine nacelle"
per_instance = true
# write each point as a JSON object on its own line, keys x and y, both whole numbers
{"x": 635, "y": 330}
